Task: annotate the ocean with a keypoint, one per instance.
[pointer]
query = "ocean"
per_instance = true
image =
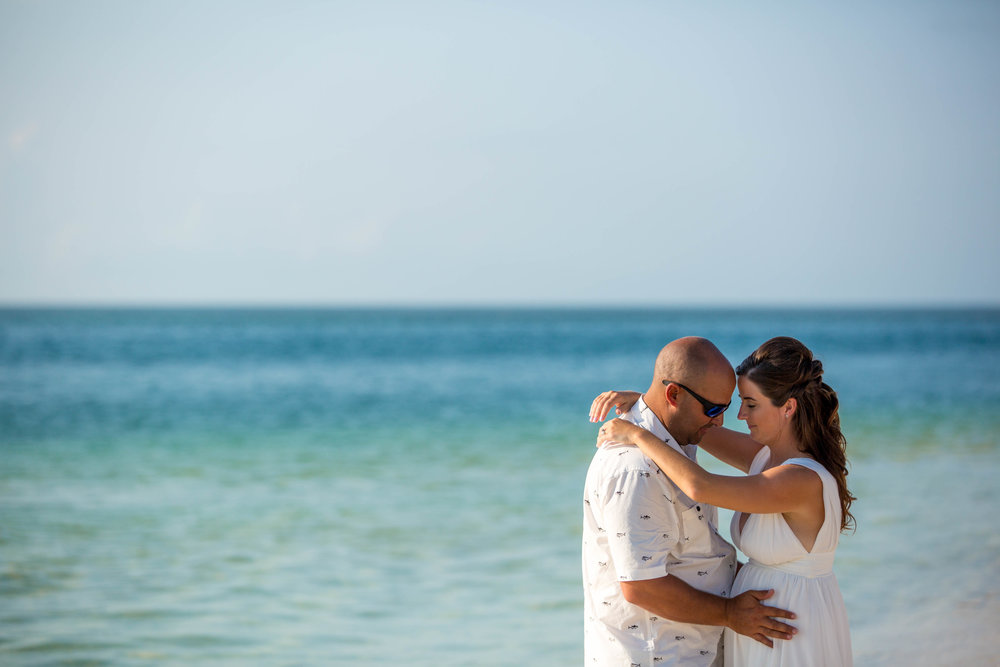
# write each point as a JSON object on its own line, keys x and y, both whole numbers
{"x": 404, "y": 486}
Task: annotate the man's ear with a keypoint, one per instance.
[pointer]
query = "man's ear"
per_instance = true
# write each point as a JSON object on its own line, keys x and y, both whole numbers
{"x": 670, "y": 394}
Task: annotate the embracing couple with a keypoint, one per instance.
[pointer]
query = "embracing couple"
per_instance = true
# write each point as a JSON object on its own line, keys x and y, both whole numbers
{"x": 662, "y": 587}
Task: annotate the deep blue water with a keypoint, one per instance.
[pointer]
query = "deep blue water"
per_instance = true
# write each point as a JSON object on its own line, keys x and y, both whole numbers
{"x": 313, "y": 486}
{"x": 104, "y": 374}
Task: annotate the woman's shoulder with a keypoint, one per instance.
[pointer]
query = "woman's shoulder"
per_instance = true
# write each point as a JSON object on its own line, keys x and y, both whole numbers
{"x": 812, "y": 464}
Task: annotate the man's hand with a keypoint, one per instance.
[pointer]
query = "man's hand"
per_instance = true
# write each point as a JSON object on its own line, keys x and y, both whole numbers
{"x": 746, "y": 615}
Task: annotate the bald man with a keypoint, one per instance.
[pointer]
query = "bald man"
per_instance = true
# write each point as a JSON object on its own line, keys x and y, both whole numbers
{"x": 656, "y": 572}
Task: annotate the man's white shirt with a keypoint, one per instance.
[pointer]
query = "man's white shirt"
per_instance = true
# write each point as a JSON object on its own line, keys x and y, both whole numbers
{"x": 638, "y": 525}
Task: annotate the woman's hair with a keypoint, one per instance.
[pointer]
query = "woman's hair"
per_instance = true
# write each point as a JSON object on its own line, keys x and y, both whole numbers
{"x": 784, "y": 368}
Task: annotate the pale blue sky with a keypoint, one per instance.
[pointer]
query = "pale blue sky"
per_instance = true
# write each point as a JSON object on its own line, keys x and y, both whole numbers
{"x": 499, "y": 152}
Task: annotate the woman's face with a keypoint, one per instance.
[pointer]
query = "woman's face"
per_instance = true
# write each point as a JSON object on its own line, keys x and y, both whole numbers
{"x": 766, "y": 420}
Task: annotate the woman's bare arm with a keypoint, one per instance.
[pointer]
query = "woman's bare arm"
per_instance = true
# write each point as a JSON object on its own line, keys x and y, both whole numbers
{"x": 736, "y": 449}
{"x": 786, "y": 488}
{"x": 732, "y": 447}
{"x": 621, "y": 401}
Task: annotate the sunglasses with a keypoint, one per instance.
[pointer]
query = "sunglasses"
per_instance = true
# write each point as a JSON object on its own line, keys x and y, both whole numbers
{"x": 711, "y": 409}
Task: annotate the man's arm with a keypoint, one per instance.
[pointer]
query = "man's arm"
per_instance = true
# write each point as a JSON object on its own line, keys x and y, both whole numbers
{"x": 673, "y": 598}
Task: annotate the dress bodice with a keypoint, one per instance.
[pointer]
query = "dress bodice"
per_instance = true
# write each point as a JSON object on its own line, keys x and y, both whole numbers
{"x": 769, "y": 540}
{"x": 803, "y": 582}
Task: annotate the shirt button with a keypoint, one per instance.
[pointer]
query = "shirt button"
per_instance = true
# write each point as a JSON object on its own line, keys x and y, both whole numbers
{"x": 698, "y": 507}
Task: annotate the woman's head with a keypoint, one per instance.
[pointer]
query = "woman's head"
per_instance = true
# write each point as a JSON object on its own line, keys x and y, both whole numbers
{"x": 785, "y": 372}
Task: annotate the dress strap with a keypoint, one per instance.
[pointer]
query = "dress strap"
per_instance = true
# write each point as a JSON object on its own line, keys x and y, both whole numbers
{"x": 831, "y": 501}
{"x": 760, "y": 460}
{"x": 805, "y": 462}
{"x": 818, "y": 468}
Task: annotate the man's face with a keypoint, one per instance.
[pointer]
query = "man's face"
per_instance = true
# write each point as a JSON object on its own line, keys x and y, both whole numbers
{"x": 691, "y": 423}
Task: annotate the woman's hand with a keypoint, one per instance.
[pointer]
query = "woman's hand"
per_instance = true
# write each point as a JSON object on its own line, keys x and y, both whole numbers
{"x": 618, "y": 430}
{"x": 621, "y": 401}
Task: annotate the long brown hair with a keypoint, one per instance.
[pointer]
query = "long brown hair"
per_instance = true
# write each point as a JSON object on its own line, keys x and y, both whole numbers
{"x": 784, "y": 368}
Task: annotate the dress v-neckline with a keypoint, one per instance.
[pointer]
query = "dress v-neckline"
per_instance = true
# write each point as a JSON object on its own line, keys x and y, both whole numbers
{"x": 744, "y": 517}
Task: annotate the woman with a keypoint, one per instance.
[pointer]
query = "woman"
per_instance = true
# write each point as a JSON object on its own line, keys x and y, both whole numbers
{"x": 791, "y": 507}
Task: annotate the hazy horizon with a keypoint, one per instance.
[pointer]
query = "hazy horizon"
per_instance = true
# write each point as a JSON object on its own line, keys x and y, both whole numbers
{"x": 583, "y": 306}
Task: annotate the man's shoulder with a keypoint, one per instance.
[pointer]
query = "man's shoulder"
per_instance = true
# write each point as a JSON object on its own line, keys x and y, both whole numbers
{"x": 616, "y": 455}
{"x": 621, "y": 460}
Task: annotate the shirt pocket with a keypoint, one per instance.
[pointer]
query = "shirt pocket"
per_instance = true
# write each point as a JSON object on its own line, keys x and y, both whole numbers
{"x": 696, "y": 530}
{"x": 705, "y": 560}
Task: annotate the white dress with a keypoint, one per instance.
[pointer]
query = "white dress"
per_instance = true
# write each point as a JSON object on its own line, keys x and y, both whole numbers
{"x": 803, "y": 583}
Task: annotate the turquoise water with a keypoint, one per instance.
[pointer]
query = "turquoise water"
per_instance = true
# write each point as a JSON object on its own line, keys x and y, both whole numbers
{"x": 403, "y": 486}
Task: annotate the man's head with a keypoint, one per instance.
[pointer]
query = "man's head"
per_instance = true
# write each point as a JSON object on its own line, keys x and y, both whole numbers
{"x": 692, "y": 379}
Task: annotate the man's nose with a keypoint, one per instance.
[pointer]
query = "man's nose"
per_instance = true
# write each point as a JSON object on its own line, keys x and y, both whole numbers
{"x": 719, "y": 418}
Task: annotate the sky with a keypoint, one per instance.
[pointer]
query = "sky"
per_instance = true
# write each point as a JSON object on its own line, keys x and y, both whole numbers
{"x": 499, "y": 153}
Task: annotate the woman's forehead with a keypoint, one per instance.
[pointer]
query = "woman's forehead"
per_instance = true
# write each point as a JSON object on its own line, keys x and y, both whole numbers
{"x": 747, "y": 387}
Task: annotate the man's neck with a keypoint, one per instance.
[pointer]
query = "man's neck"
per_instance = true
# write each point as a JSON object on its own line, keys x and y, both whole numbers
{"x": 661, "y": 413}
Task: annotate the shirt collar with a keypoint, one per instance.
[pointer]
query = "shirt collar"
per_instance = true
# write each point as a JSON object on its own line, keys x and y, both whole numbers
{"x": 642, "y": 415}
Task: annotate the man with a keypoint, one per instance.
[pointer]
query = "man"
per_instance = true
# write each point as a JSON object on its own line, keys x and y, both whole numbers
{"x": 656, "y": 572}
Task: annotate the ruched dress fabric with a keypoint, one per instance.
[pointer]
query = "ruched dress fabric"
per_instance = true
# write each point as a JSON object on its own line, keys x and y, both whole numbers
{"x": 803, "y": 582}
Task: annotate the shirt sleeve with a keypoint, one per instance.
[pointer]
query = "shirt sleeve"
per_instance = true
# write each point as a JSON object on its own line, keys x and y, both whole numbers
{"x": 641, "y": 525}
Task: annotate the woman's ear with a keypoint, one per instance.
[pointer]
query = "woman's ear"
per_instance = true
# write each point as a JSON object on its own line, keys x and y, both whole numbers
{"x": 789, "y": 408}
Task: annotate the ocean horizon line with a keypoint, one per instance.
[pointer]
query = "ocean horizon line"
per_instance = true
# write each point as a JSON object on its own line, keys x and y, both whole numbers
{"x": 233, "y": 306}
